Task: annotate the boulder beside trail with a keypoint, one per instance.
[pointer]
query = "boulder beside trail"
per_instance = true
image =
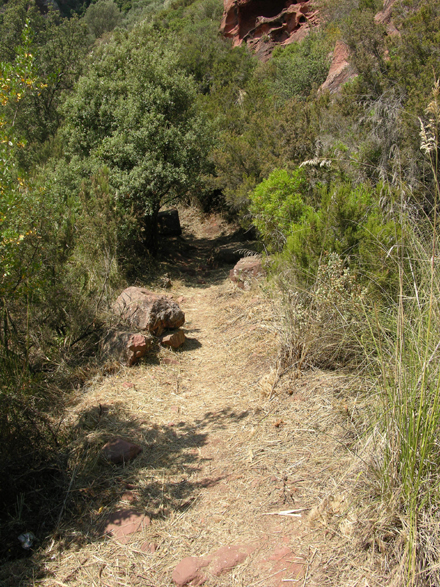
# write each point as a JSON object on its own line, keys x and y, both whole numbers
{"x": 231, "y": 253}
{"x": 173, "y": 339}
{"x": 148, "y": 311}
{"x": 126, "y": 347}
{"x": 120, "y": 451}
{"x": 247, "y": 270}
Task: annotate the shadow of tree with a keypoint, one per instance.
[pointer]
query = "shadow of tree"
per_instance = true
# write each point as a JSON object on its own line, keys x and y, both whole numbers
{"x": 159, "y": 481}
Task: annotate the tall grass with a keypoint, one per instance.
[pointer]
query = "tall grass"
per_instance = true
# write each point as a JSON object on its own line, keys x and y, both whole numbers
{"x": 408, "y": 355}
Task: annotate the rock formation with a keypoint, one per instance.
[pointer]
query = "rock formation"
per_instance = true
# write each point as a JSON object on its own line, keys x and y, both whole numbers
{"x": 126, "y": 347}
{"x": 246, "y": 271}
{"x": 263, "y": 24}
{"x": 341, "y": 71}
{"x": 148, "y": 311}
{"x": 384, "y": 17}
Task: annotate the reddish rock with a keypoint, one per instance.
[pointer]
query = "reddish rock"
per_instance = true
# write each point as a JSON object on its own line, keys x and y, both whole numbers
{"x": 147, "y": 311}
{"x": 228, "y": 557}
{"x": 247, "y": 270}
{"x": 120, "y": 451}
{"x": 340, "y": 69}
{"x": 123, "y": 523}
{"x": 262, "y": 24}
{"x": 188, "y": 571}
{"x": 126, "y": 347}
{"x": 173, "y": 340}
{"x": 169, "y": 361}
{"x": 385, "y": 17}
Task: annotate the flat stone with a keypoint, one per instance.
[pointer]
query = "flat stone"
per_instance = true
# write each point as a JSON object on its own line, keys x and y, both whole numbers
{"x": 120, "y": 451}
{"x": 122, "y": 523}
{"x": 188, "y": 571}
{"x": 169, "y": 361}
{"x": 228, "y": 557}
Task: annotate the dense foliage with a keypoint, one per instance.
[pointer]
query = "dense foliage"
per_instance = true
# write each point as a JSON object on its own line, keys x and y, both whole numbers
{"x": 110, "y": 111}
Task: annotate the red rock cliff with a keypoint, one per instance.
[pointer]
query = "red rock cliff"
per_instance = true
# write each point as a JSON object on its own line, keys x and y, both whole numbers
{"x": 262, "y": 24}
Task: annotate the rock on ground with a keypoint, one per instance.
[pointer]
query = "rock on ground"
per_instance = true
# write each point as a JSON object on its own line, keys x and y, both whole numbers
{"x": 173, "y": 340}
{"x": 122, "y": 523}
{"x": 188, "y": 571}
{"x": 126, "y": 347}
{"x": 120, "y": 451}
{"x": 148, "y": 311}
{"x": 247, "y": 270}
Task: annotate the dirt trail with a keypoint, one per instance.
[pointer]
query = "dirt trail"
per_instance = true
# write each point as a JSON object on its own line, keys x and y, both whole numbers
{"x": 220, "y": 460}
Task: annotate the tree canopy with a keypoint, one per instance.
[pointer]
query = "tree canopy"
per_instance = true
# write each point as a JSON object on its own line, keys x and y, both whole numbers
{"x": 134, "y": 112}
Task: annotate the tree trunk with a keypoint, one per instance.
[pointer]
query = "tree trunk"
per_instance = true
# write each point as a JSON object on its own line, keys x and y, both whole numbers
{"x": 150, "y": 234}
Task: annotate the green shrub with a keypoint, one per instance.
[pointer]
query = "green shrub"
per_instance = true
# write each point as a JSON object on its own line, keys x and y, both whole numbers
{"x": 351, "y": 223}
{"x": 301, "y": 66}
{"x": 277, "y": 204}
{"x": 102, "y": 16}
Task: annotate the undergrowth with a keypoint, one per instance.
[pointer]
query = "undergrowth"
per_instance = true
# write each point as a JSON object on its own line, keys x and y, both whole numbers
{"x": 407, "y": 355}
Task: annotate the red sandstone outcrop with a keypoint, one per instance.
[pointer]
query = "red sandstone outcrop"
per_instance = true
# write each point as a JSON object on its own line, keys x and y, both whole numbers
{"x": 262, "y": 24}
{"x": 341, "y": 71}
{"x": 385, "y": 17}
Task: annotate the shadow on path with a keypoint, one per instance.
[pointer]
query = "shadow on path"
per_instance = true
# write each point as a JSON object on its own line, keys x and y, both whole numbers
{"x": 161, "y": 480}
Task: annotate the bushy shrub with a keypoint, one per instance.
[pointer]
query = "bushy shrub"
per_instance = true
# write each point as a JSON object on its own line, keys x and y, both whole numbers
{"x": 301, "y": 66}
{"x": 277, "y": 204}
{"x": 324, "y": 323}
{"x": 102, "y": 16}
{"x": 351, "y": 223}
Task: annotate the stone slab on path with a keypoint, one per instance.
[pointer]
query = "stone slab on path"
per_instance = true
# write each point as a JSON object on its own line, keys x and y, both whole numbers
{"x": 189, "y": 570}
{"x": 123, "y": 523}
